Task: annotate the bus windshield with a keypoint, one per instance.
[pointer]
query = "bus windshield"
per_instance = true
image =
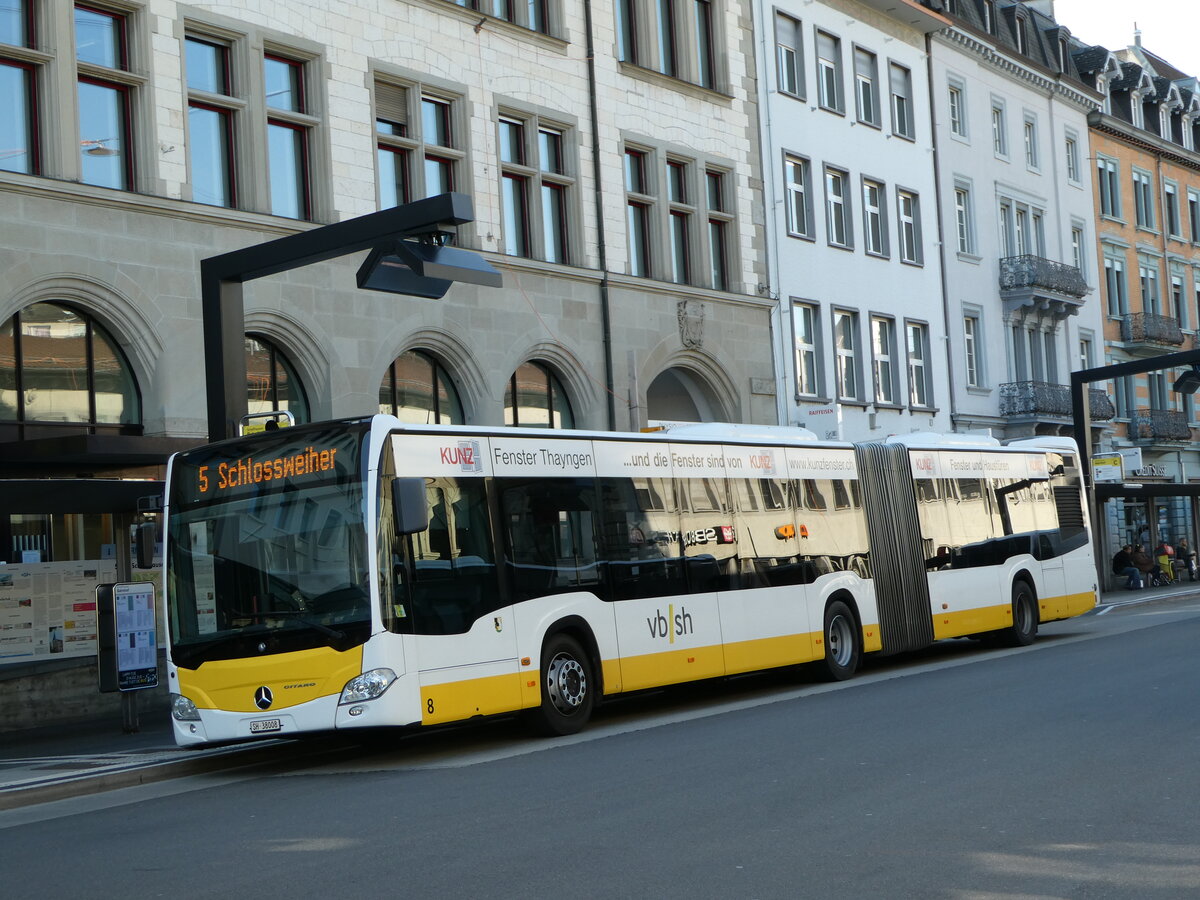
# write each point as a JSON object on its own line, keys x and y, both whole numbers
{"x": 267, "y": 546}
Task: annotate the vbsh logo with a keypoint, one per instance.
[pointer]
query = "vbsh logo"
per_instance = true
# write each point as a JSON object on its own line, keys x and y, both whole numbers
{"x": 672, "y": 625}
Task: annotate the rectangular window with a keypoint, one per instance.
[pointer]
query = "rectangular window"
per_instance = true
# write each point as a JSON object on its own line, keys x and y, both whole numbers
{"x": 529, "y": 14}
{"x": 702, "y": 19}
{"x": 287, "y": 137}
{"x": 17, "y": 132}
{"x": 918, "y": 365}
{"x": 829, "y": 71}
{"x": 664, "y": 18}
{"x": 1031, "y": 143}
{"x": 963, "y": 220}
{"x": 393, "y": 153}
{"x": 638, "y": 205}
{"x": 958, "y": 111}
{"x": 1194, "y": 215}
{"x": 1177, "y": 310}
{"x": 1148, "y": 276}
{"x": 804, "y": 327}
{"x": 837, "y": 211}
{"x": 210, "y": 122}
{"x": 845, "y": 340}
{"x": 105, "y": 124}
{"x": 999, "y": 130}
{"x": 1077, "y": 247}
{"x": 902, "y": 101}
{"x": 1171, "y": 210}
{"x": 1114, "y": 286}
{"x": 1143, "y": 199}
{"x": 1109, "y": 174}
{"x": 534, "y": 188}
{"x": 971, "y": 345}
{"x": 866, "y": 91}
{"x": 908, "y": 207}
{"x": 720, "y": 222}
{"x": 627, "y": 22}
{"x": 1072, "y": 154}
{"x": 789, "y": 59}
{"x": 681, "y": 217}
{"x": 883, "y": 339}
{"x": 797, "y": 179}
{"x": 875, "y": 238}
{"x": 417, "y": 144}
{"x": 1086, "y": 354}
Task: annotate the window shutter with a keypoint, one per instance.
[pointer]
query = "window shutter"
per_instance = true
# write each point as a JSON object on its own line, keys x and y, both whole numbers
{"x": 391, "y": 105}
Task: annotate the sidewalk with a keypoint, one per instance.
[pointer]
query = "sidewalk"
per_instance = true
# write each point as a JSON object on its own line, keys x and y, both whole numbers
{"x": 58, "y": 761}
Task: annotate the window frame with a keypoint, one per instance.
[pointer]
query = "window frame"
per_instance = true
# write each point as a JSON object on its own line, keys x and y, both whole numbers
{"x": 914, "y": 223}
{"x": 866, "y": 75}
{"x": 999, "y": 129}
{"x": 919, "y": 364}
{"x": 1143, "y": 199}
{"x": 830, "y": 75}
{"x": 807, "y": 350}
{"x": 531, "y": 172}
{"x": 903, "y": 103}
{"x": 956, "y": 107}
{"x": 790, "y": 162}
{"x": 883, "y": 359}
{"x": 875, "y": 219}
{"x": 847, "y": 360}
{"x": 837, "y": 209}
{"x": 793, "y": 66}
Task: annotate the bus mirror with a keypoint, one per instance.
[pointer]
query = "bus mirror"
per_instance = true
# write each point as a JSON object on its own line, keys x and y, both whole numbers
{"x": 408, "y": 505}
{"x": 145, "y": 545}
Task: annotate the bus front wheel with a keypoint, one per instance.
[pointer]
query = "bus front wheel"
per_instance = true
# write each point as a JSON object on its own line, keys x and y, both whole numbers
{"x": 843, "y": 642}
{"x": 568, "y": 688}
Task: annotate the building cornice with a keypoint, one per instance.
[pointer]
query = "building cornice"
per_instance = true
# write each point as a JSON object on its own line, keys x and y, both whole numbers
{"x": 1143, "y": 140}
{"x": 1031, "y": 73}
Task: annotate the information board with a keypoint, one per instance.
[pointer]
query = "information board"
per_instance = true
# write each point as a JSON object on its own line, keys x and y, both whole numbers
{"x": 128, "y": 653}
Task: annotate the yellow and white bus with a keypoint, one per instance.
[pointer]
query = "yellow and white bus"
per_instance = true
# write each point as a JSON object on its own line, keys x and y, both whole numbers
{"x": 368, "y": 573}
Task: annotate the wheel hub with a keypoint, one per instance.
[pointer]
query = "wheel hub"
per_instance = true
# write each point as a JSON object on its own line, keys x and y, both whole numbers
{"x": 566, "y": 683}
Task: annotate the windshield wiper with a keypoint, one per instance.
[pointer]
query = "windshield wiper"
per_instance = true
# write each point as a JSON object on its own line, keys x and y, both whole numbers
{"x": 297, "y": 614}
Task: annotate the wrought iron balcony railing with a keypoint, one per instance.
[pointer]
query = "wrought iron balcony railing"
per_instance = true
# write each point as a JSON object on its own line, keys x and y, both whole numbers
{"x": 1159, "y": 425}
{"x": 1042, "y": 398}
{"x": 1148, "y": 328}
{"x": 1034, "y": 272}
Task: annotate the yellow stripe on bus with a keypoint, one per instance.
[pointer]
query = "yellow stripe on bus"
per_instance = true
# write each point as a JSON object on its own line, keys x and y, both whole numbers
{"x": 453, "y": 701}
{"x": 292, "y": 678}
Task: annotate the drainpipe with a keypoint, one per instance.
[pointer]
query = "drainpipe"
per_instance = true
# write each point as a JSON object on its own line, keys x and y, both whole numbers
{"x": 937, "y": 206}
{"x": 605, "y": 307}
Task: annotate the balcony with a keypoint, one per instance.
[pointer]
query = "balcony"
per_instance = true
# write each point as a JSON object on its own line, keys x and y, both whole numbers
{"x": 1039, "y": 400}
{"x": 1041, "y": 284}
{"x": 1150, "y": 333}
{"x": 1158, "y": 425}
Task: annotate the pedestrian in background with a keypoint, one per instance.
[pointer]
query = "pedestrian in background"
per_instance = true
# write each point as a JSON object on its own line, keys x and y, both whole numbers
{"x": 1122, "y": 564}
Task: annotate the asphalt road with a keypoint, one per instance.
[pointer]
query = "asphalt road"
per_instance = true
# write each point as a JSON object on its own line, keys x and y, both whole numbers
{"x": 1066, "y": 770}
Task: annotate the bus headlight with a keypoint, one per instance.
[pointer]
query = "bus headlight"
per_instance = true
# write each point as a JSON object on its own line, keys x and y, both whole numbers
{"x": 367, "y": 686}
{"x": 183, "y": 709}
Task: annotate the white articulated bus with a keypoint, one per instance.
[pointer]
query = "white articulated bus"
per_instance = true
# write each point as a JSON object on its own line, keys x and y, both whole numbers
{"x": 369, "y": 573}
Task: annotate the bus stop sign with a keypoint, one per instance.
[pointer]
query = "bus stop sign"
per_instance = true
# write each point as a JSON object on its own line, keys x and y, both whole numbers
{"x": 127, "y": 637}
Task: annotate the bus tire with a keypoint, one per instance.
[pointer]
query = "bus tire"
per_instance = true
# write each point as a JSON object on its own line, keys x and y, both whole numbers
{"x": 1023, "y": 630}
{"x": 843, "y": 643}
{"x": 568, "y": 688}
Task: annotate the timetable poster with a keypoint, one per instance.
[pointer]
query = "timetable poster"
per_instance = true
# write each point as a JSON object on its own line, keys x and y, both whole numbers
{"x": 48, "y": 610}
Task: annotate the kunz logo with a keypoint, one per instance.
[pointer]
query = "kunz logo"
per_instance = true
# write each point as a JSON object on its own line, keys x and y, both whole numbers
{"x": 263, "y": 698}
{"x": 465, "y": 455}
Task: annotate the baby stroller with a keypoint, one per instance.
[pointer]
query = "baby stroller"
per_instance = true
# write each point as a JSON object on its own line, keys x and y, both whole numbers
{"x": 1164, "y": 569}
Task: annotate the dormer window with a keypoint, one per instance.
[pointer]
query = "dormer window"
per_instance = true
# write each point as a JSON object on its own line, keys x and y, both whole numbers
{"x": 1062, "y": 54}
{"x": 1022, "y": 42}
{"x": 989, "y": 16}
{"x": 1135, "y": 109}
{"x": 1164, "y": 122}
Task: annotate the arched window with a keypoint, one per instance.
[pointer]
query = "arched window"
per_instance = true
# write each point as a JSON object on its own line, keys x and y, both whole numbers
{"x": 271, "y": 381}
{"x": 535, "y": 398}
{"x": 57, "y": 364}
{"x": 416, "y": 389}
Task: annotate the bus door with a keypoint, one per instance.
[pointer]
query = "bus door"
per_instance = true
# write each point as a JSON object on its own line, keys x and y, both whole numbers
{"x": 464, "y": 634}
{"x": 764, "y": 617}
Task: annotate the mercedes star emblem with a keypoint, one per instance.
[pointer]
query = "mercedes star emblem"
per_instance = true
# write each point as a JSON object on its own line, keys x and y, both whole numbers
{"x": 263, "y": 698}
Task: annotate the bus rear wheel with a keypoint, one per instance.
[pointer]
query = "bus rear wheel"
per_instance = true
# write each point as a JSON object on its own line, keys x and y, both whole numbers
{"x": 1023, "y": 630}
{"x": 568, "y": 688}
{"x": 843, "y": 643}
